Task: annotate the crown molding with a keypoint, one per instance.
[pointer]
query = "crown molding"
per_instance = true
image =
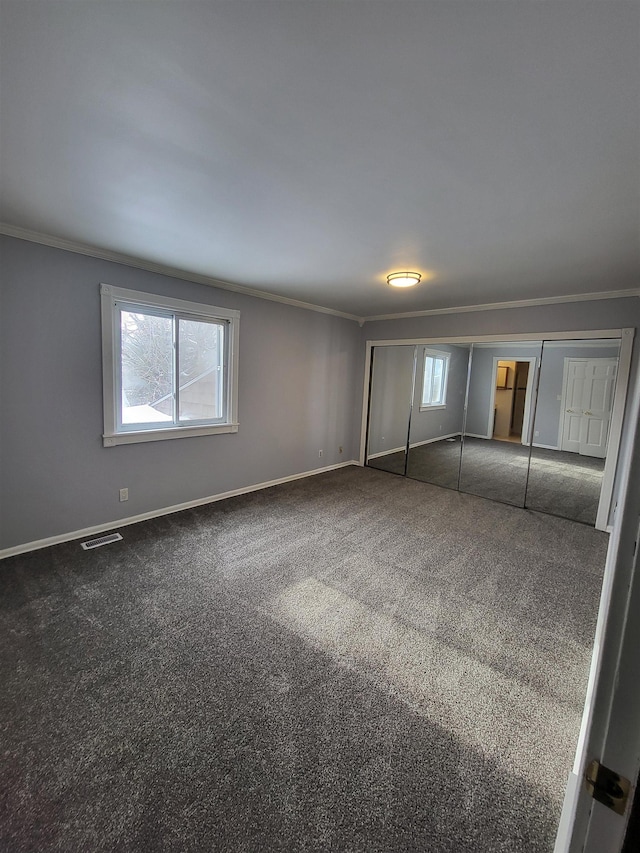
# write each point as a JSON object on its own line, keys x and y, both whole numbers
{"x": 78, "y": 248}
{"x": 516, "y": 303}
{"x": 19, "y": 233}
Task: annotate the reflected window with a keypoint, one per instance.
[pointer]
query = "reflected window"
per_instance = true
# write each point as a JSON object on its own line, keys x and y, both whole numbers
{"x": 434, "y": 381}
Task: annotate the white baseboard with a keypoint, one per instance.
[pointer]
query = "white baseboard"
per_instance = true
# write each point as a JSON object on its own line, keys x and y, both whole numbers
{"x": 156, "y": 513}
{"x": 475, "y": 435}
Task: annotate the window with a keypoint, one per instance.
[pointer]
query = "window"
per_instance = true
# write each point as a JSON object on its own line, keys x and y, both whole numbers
{"x": 434, "y": 381}
{"x": 169, "y": 367}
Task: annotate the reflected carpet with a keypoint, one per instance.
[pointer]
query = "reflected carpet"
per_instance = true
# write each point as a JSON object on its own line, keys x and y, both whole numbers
{"x": 554, "y": 481}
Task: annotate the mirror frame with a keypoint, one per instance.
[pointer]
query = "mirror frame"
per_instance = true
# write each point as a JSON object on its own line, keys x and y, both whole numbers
{"x": 626, "y": 336}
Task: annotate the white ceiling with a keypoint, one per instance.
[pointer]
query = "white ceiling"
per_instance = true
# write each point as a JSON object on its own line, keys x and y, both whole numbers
{"x": 308, "y": 148}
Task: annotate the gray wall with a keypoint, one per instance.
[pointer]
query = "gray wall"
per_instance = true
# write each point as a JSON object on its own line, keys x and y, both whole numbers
{"x": 570, "y": 316}
{"x": 296, "y": 395}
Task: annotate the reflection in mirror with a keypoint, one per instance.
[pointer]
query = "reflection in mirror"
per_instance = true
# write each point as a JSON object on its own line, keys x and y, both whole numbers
{"x": 437, "y": 414}
{"x": 573, "y": 416}
{"x": 390, "y": 407}
{"x": 495, "y": 454}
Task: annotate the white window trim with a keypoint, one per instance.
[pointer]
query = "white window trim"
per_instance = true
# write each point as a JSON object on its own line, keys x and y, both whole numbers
{"x": 434, "y": 353}
{"x": 108, "y": 297}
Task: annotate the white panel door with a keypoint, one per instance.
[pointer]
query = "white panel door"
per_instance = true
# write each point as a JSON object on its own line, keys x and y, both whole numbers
{"x": 597, "y": 400}
{"x": 590, "y": 385}
{"x": 575, "y": 389}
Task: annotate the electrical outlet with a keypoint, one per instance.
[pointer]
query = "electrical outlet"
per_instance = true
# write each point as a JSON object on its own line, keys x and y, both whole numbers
{"x": 537, "y": 433}
{"x": 124, "y": 495}
{"x": 320, "y": 453}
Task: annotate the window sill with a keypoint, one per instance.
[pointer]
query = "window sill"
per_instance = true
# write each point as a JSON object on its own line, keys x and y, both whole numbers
{"x": 135, "y": 437}
{"x": 431, "y": 408}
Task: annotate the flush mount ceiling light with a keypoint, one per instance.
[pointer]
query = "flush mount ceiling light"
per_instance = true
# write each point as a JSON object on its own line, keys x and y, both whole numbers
{"x": 404, "y": 279}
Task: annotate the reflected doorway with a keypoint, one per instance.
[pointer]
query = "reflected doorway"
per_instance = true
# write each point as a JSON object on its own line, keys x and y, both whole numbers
{"x": 511, "y": 399}
{"x": 514, "y": 385}
{"x": 495, "y": 453}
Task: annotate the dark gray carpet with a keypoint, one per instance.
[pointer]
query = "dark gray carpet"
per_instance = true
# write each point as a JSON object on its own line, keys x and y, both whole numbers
{"x": 351, "y": 662}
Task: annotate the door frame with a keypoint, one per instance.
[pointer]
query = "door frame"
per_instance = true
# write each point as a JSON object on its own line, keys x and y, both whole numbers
{"x": 534, "y": 361}
{"x": 610, "y": 730}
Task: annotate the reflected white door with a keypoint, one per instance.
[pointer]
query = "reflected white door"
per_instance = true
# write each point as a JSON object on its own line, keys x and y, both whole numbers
{"x": 576, "y": 371}
{"x": 589, "y": 389}
{"x": 600, "y": 382}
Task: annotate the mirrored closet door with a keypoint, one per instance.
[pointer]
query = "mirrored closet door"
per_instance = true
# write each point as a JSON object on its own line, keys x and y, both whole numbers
{"x": 500, "y": 406}
{"x": 572, "y": 427}
{"x": 391, "y": 390}
{"x": 523, "y": 422}
{"x": 437, "y": 415}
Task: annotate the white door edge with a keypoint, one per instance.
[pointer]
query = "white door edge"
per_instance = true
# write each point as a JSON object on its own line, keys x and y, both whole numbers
{"x": 609, "y": 729}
